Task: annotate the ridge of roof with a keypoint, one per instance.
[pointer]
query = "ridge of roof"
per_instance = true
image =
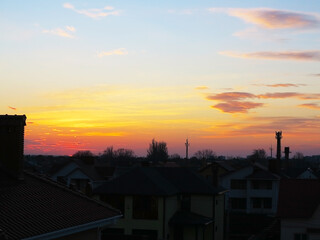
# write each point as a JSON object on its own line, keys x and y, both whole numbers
{"x": 160, "y": 181}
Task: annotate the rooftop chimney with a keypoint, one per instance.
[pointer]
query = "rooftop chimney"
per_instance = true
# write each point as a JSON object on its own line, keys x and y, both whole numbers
{"x": 274, "y": 164}
{"x": 278, "y": 137}
{"x": 286, "y": 153}
{"x": 12, "y": 144}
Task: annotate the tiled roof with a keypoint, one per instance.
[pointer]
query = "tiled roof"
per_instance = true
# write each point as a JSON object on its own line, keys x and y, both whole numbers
{"x": 298, "y": 198}
{"x": 189, "y": 218}
{"x": 263, "y": 175}
{"x": 36, "y": 206}
{"x": 159, "y": 181}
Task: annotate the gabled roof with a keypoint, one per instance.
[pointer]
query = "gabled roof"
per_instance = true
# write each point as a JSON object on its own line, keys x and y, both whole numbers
{"x": 189, "y": 218}
{"x": 36, "y": 206}
{"x": 159, "y": 181}
{"x": 87, "y": 169}
{"x": 261, "y": 174}
{"x": 298, "y": 198}
{"x": 229, "y": 165}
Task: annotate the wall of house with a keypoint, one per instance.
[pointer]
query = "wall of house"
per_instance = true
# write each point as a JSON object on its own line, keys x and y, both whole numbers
{"x": 171, "y": 206}
{"x": 289, "y": 227}
{"x": 219, "y": 217}
{"x": 92, "y": 234}
{"x": 202, "y": 205}
{"x": 128, "y": 223}
{"x": 235, "y": 193}
{"x": 263, "y": 193}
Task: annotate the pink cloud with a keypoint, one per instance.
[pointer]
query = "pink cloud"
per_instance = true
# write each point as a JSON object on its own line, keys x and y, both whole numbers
{"x": 236, "y": 106}
{"x": 231, "y": 96}
{"x": 310, "y": 105}
{"x": 12, "y": 108}
{"x": 273, "y": 18}
{"x": 289, "y": 95}
{"x": 284, "y": 85}
{"x": 285, "y": 55}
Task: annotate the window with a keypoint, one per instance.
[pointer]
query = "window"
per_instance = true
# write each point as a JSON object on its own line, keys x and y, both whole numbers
{"x": 265, "y": 203}
{"x": 238, "y": 203}
{"x": 300, "y": 236}
{"x": 238, "y": 184}
{"x": 261, "y": 184}
{"x": 116, "y": 201}
{"x": 145, "y": 207}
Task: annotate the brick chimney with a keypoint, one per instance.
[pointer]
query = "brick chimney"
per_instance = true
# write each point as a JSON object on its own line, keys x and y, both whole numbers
{"x": 12, "y": 144}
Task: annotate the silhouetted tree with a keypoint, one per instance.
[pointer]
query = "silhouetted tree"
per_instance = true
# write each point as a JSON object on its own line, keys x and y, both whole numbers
{"x": 257, "y": 154}
{"x": 119, "y": 154}
{"x": 175, "y": 156}
{"x": 205, "y": 154}
{"x": 108, "y": 154}
{"x": 123, "y": 153}
{"x": 157, "y": 151}
{"x": 298, "y": 155}
{"x": 86, "y": 156}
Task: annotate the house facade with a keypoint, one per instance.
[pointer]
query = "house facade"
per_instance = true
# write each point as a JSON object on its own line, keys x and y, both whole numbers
{"x": 299, "y": 209}
{"x": 253, "y": 189}
{"x": 165, "y": 203}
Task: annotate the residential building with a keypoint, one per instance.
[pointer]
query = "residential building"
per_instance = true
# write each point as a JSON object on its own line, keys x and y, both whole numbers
{"x": 299, "y": 209}
{"x": 77, "y": 174}
{"x": 165, "y": 203}
{"x": 253, "y": 189}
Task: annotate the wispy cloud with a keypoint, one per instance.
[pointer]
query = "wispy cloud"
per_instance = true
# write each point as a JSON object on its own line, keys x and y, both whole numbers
{"x": 310, "y": 105}
{"x": 94, "y": 13}
{"x": 273, "y": 18}
{"x": 12, "y": 108}
{"x": 280, "y": 85}
{"x": 119, "y": 51}
{"x": 66, "y": 32}
{"x": 279, "y": 95}
{"x": 236, "y": 106}
{"x": 286, "y": 55}
{"x": 71, "y": 28}
{"x": 231, "y": 96}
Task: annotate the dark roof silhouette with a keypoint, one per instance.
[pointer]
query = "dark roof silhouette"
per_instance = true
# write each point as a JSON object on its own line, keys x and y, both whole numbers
{"x": 298, "y": 198}
{"x": 158, "y": 181}
{"x": 88, "y": 169}
{"x": 261, "y": 174}
{"x": 37, "y": 206}
{"x": 189, "y": 218}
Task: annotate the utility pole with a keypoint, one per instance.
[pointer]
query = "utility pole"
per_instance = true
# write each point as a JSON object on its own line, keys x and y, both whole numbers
{"x": 187, "y": 147}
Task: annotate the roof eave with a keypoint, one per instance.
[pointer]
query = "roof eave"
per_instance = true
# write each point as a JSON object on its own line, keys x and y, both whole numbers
{"x": 76, "y": 229}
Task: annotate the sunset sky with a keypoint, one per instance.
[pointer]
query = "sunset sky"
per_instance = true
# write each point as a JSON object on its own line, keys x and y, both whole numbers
{"x": 224, "y": 74}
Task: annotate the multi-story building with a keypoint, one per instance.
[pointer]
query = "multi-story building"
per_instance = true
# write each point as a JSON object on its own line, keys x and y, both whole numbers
{"x": 165, "y": 203}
